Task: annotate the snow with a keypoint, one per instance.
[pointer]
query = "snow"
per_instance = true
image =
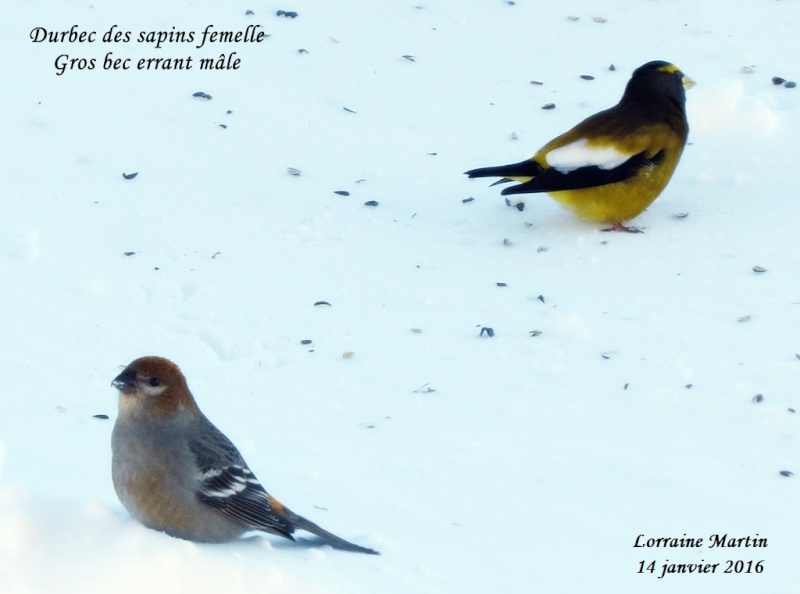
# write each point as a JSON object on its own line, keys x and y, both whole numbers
{"x": 514, "y": 463}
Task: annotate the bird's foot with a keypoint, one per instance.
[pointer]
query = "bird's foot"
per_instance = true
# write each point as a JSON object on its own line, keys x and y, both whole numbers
{"x": 623, "y": 228}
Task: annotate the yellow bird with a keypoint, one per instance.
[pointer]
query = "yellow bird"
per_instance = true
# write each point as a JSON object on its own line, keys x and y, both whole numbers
{"x": 614, "y": 164}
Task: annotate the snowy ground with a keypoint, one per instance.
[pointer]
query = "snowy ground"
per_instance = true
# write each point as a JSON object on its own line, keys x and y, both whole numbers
{"x": 512, "y": 463}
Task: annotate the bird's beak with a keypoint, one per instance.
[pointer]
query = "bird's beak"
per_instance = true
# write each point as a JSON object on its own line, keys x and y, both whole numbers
{"x": 125, "y": 382}
{"x": 688, "y": 82}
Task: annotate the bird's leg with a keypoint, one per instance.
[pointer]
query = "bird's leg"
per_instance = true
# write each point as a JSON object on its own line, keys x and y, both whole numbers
{"x": 623, "y": 228}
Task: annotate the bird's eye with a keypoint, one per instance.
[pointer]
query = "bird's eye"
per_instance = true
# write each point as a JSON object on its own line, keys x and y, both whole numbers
{"x": 154, "y": 381}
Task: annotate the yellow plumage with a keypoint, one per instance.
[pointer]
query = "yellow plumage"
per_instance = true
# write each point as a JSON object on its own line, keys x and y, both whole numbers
{"x": 614, "y": 164}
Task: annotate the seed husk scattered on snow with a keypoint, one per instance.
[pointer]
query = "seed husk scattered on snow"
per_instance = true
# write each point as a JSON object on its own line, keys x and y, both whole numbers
{"x": 758, "y": 268}
{"x": 202, "y": 95}
{"x": 680, "y": 215}
{"x": 306, "y": 341}
{"x": 786, "y": 473}
{"x": 549, "y": 106}
{"x": 777, "y": 80}
{"x": 322, "y": 303}
{"x": 758, "y": 398}
{"x": 487, "y": 330}
{"x": 100, "y": 416}
{"x": 466, "y": 200}
{"x": 501, "y": 284}
{"x": 371, "y": 203}
{"x": 534, "y": 333}
{"x": 744, "y": 318}
{"x": 130, "y": 175}
{"x": 409, "y": 58}
{"x": 587, "y": 77}
{"x": 293, "y": 171}
{"x": 790, "y": 84}
{"x": 341, "y": 192}
{"x": 291, "y": 14}
{"x": 348, "y": 110}
{"x": 348, "y": 354}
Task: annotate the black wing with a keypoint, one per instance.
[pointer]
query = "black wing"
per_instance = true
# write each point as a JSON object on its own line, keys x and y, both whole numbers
{"x": 553, "y": 180}
{"x": 228, "y": 485}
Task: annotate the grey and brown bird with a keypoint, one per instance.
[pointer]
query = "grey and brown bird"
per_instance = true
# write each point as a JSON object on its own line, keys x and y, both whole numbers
{"x": 174, "y": 471}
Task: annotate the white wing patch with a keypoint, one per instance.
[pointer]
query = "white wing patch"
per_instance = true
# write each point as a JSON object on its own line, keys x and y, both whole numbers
{"x": 579, "y": 154}
{"x": 227, "y": 482}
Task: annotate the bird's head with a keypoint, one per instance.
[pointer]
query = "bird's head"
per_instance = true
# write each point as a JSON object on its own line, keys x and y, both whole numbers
{"x": 155, "y": 384}
{"x": 658, "y": 79}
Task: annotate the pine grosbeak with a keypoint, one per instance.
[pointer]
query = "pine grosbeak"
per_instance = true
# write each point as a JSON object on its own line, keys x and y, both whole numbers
{"x": 174, "y": 471}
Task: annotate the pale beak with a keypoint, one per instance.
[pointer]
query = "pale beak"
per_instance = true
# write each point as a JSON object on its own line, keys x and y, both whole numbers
{"x": 688, "y": 82}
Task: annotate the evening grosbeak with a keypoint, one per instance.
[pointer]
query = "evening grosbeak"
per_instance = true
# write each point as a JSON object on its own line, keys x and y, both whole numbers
{"x": 174, "y": 471}
{"x": 612, "y": 165}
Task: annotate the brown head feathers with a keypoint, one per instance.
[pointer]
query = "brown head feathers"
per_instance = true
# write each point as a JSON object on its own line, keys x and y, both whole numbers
{"x": 156, "y": 385}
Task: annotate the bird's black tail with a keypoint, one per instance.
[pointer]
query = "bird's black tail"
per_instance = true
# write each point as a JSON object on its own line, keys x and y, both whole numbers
{"x": 302, "y": 523}
{"x": 525, "y": 168}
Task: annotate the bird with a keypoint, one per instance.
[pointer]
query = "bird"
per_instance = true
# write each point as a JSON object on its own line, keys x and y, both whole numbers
{"x": 175, "y": 472}
{"x": 615, "y": 163}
